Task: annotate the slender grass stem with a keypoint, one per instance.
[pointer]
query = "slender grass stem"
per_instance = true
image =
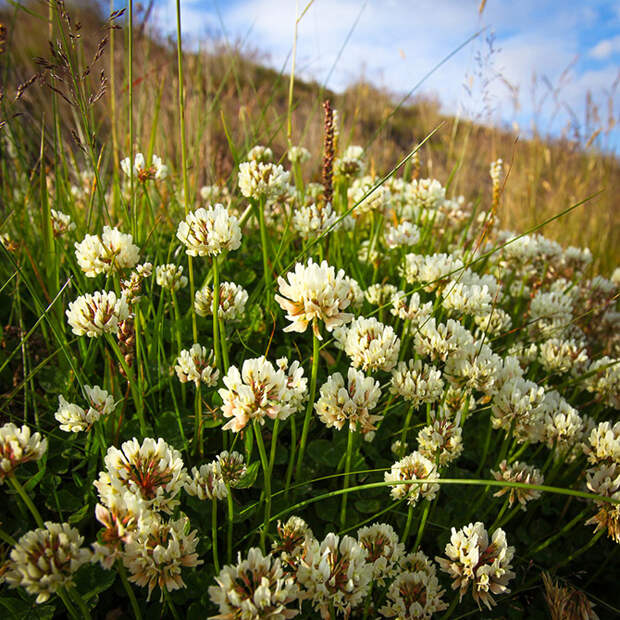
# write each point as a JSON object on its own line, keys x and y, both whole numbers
{"x": 267, "y": 483}
{"x": 122, "y": 571}
{"x": 418, "y": 539}
{"x": 79, "y": 601}
{"x": 347, "y": 469}
{"x": 15, "y": 483}
{"x": 198, "y": 447}
{"x": 230, "y": 523}
{"x": 64, "y": 597}
{"x": 216, "y": 559}
{"x": 216, "y": 314}
{"x": 264, "y": 247}
{"x": 309, "y": 408}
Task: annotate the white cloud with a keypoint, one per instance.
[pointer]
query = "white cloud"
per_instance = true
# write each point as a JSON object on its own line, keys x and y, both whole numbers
{"x": 606, "y": 48}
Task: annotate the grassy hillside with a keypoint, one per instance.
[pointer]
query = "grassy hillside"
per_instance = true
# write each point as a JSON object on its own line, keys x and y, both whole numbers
{"x": 231, "y": 99}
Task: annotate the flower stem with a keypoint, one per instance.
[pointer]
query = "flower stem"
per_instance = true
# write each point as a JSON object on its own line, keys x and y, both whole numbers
{"x": 171, "y": 605}
{"x": 122, "y": 571}
{"x": 408, "y": 524}
{"x": 347, "y": 469}
{"x": 24, "y": 496}
{"x": 216, "y": 559}
{"x": 291, "y": 460}
{"x": 267, "y": 485}
{"x": 306, "y": 426}
{"x": 418, "y": 539}
{"x": 263, "y": 241}
{"x": 231, "y": 515}
{"x": 77, "y": 598}
{"x": 403, "y": 434}
{"x": 216, "y": 315}
{"x": 198, "y": 422}
{"x": 64, "y": 597}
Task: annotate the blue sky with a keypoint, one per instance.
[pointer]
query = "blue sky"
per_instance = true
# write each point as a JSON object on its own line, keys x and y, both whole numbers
{"x": 571, "y": 45}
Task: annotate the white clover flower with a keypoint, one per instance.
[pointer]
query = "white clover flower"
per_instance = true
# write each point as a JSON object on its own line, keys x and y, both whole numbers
{"x": 232, "y": 467}
{"x": 604, "y": 479}
{"x": 109, "y": 252}
{"x": 72, "y": 417}
{"x": 563, "y": 425}
{"x": 604, "y": 380}
{"x": 557, "y": 355}
{"x": 412, "y": 309}
{"x": 17, "y": 446}
{"x": 433, "y": 271}
{"x": 258, "y": 391}
{"x": 472, "y": 559}
{"x": 413, "y": 467}
{"x": 157, "y": 170}
{"x": 518, "y": 472}
{"x": 156, "y": 555}
{"x": 197, "y": 365}
{"x": 355, "y": 294}
{"x": 335, "y": 572}
{"x": 258, "y": 179}
{"x": 44, "y": 560}
{"x": 298, "y": 154}
{"x": 339, "y": 404}
{"x": 97, "y": 314}
{"x": 351, "y": 163}
{"x": 442, "y": 441}
{"x": 207, "y": 482}
{"x": 414, "y": 595}
{"x": 296, "y": 383}
{"x": 260, "y": 153}
{"x": 370, "y": 345}
{"x": 290, "y": 540}
{"x": 366, "y": 195}
{"x": 61, "y": 223}
{"x": 210, "y": 231}
{"x": 131, "y": 287}
{"x": 170, "y": 276}
{"x": 266, "y": 591}
{"x": 380, "y": 294}
{"x": 604, "y": 443}
{"x": 405, "y": 234}
{"x": 384, "y": 551}
{"x": 495, "y": 323}
{"x": 101, "y": 402}
{"x": 474, "y": 367}
{"x": 551, "y": 313}
{"x": 417, "y": 382}
{"x": 462, "y": 298}
{"x": 153, "y": 471}
{"x": 314, "y": 293}
{"x": 313, "y": 220}
{"x": 426, "y": 193}
{"x": 439, "y": 340}
{"x": 233, "y": 299}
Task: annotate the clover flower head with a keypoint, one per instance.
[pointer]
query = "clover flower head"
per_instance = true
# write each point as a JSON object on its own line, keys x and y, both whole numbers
{"x": 96, "y": 314}
{"x": 210, "y": 231}
{"x": 17, "y": 446}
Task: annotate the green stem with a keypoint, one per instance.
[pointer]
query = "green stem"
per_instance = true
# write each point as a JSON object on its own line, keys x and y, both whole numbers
{"x": 24, "y": 496}
{"x": 487, "y": 445}
{"x": 216, "y": 315}
{"x": 408, "y": 524}
{"x": 418, "y": 539}
{"x": 263, "y": 241}
{"x": 122, "y": 571}
{"x": 171, "y": 605}
{"x": 347, "y": 469}
{"x": 198, "y": 448}
{"x": 291, "y": 459}
{"x": 452, "y": 607}
{"x": 500, "y": 515}
{"x": 77, "y": 598}
{"x": 216, "y": 559}
{"x": 543, "y": 545}
{"x": 403, "y": 434}
{"x": 309, "y": 408}
{"x": 581, "y": 551}
{"x": 230, "y": 523}
{"x": 267, "y": 482}
{"x": 64, "y": 597}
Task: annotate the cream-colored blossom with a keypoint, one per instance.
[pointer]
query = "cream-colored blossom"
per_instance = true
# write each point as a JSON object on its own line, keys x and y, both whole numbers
{"x": 109, "y": 252}
{"x": 17, "y": 446}
{"x": 233, "y": 299}
{"x": 96, "y": 314}
{"x": 413, "y": 467}
{"x": 210, "y": 231}
{"x": 197, "y": 365}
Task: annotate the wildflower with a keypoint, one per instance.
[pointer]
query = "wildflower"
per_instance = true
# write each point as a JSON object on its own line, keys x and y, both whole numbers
{"x": 413, "y": 595}
{"x": 296, "y": 383}
{"x": 74, "y": 418}
{"x": 314, "y": 293}
{"x": 474, "y": 367}
{"x": 170, "y": 276}
{"x": 557, "y": 355}
{"x": 153, "y": 471}
{"x": 471, "y": 559}
{"x": 313, "y": 220}
{"x": 207, "y": 482}
{"x": 442, "y": 441}
{"x": 260, "y": 153}
{"x": 232, "y": 467}
{"x": 97, "y": 314}
{"x": 371, "y": 345}
{"x": 351, "y": 163}
{"x": 290, "y": 541}
{"x": 426, "y": 193}
{"x": 298, "y": 154}
{"x": 605, "y": 380}
{"x": 413, "y": 310}
{"x": 367, "y": 195}
{"x": 604, "y": 479}
{"x": 210, "y": 231}
{"x": 258, "y": 391}
{"x": 380, "y": 294}
{"x": 17, "y": 446}
{"x": 335, "y": 572}
{"x": 440, "y": 340}
{"x": 157, "y": 170}
{"x": 130, "y": 288}
{"x": 493, "y": 323}
{"x": 413, "y": 467}
{"x": 156, "y": 555}
{"x": 61, "y": 223}
{"x": 417, "y": 382}
{"x": 256, "y": 587}
{"x": 562, "y": 425}
{"x": 233, "y": 299}
{"x": 197, "y": 366}
{"x": 433, "y": 270}
{"x": 518, "y": 472}
{"x": 338, "y": 404}
{"x": 258, "y": 179}
{"x": 44, "y": 560}
{"x": 404, "y": 234}
{"x": 111, "y": 251}
{"x": 604, "y": 443}
{"x": 384, "y": 551}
